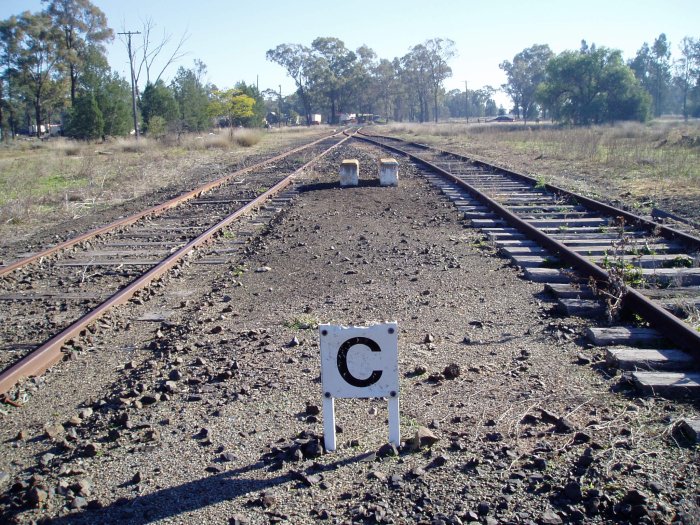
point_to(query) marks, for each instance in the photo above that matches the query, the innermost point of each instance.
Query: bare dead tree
(150, 50)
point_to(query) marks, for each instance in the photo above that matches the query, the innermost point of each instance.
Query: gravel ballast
(211, 413)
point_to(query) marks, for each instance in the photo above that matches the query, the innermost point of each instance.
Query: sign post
(359, 362)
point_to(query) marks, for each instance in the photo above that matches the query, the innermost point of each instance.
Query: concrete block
(350, 172)
(388, 172)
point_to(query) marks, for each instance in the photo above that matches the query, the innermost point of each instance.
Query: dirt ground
(210, 414)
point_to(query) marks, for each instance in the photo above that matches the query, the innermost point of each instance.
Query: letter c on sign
(343, 362)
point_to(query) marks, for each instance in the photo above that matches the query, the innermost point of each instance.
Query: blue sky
(231, 37)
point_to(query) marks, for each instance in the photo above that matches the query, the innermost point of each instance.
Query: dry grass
(46, 183)
(655, 164)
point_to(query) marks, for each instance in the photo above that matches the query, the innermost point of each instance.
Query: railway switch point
(388, 172)
(349, 172)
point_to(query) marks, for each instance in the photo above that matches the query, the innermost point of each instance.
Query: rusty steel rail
(155, 210)
(672, 327)
(630, 218)
(49, 353)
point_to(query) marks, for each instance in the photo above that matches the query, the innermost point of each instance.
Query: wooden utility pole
(279, 108)
(133, 82)
(466, 101)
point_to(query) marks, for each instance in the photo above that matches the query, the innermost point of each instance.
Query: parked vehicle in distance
(503, 118)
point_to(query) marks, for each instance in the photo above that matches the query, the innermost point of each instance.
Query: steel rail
(152, 211)
(49, 353)
(630, 217)
(672, 327)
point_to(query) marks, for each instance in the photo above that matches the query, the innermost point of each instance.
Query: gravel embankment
(210, 415)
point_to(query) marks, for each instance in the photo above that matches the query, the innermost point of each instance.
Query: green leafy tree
(83, 30)
(525, 74)
(231, 106)
(192, 98)
(85, 121)
(10, 38)
(331, 70)
(158, 101)
(439, 52)
(38, 60)
(652, 66)
(112, 93)
(688, 71)
(592, 86)
(257, 119)
(298, 61)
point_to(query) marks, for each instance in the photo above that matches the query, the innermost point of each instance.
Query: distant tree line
(595, 85)
(332, 79)
(53, 70)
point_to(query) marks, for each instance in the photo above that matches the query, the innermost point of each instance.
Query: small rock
(79, 503)
(238, 519)
(483, 508)
(84, 487)
(419, 370)
(175, 374)
(53, 431)
(22, 435)
(388, 449)
(46, 459)
(38, 497)
(550, 518)
(85, 413)
(635, 497)
(429, 338)
(452, 371)
(228, 456)
(293, 342)
(268, 500)
(424, 438)
(582, 359)
(263, 269)
(572, 490)
(92, 449)
(313, 410)
(439, 461)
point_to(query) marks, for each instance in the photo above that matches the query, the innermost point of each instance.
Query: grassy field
(647, 165)
(45, 183)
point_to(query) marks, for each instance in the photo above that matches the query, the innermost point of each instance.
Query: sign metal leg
(394, 421)
(329, 423)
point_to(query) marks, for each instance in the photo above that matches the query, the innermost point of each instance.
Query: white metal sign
(359, 362)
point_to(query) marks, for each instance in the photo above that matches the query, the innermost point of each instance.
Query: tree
(85, 121)
(414, 77)
(592, 86)
(438, 52)
(331, 71)
(112, 94)
(688, 70)
(231, 106)
(83, 28)
(158, 101)
(10, 37)
(192, 98)
(652, 67)
(257, 119)
(38, 59)
(150, 50)
(298, 62)
(525, 74)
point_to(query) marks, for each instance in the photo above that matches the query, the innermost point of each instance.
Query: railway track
(49, 299)
(594, 258)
